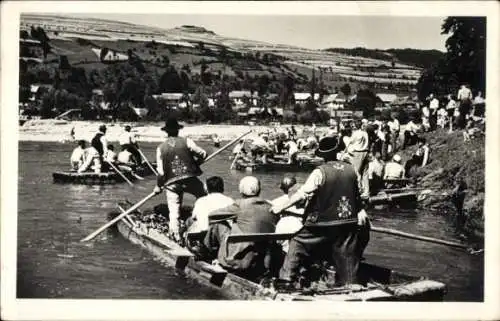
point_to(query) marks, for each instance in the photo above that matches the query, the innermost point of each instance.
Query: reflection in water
(54, 217)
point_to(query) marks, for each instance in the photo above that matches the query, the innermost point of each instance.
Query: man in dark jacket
(250, 215)
(178, 161)
(335, 222)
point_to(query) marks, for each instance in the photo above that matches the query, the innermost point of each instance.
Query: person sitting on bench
(198, 223)
(420, 158)
(250, 215)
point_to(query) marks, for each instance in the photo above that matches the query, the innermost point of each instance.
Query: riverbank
(50, 130)
(453, 158)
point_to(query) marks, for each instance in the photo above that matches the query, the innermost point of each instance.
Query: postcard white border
(52, 309)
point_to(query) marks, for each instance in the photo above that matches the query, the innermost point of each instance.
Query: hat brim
(165, 128)
(326, 152)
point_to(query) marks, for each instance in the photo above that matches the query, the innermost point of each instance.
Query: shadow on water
(52, 218)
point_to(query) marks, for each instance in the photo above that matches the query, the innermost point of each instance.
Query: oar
(234, 161)
(417, 237)
(147, 162)
(120, 173)
(119, 217)
(144, 200)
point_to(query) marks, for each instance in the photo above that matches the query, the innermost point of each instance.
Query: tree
(366, 101)
(346, 90)
(464, 60)
(170, 81)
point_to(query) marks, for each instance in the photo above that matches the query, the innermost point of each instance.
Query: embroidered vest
(97, 144)
(178, 163)
(337, 201)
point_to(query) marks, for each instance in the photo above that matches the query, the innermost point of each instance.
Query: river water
(52, 218)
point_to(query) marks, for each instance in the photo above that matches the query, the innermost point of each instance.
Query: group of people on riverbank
(325, 216)
(100, 156)
(456, 112)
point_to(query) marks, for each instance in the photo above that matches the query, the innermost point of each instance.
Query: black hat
(128, 127)
(171, 123)
(102, 128)
(328, 146)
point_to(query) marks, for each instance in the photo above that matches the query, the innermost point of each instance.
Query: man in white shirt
(205, 205)
(433, 107)
(128, 140)
(442, 117)
(426, 118)
(110, 156)
(358, 150)
(375, 173)
(394, 128)
(293, 150)
(394, 169)
(78, 155)
(410, 134)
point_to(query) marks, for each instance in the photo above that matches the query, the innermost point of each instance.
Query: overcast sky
(316, 32)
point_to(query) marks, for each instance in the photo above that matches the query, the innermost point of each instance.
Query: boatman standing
(128, 141)
(96, 152)
(178, 160)
(336, 225)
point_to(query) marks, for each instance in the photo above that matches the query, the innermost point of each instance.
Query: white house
(110, 56)
(387, 99)
(238, 97)
(301, 98)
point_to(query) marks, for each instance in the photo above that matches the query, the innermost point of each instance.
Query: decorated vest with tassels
(337, 201)
(178, 162)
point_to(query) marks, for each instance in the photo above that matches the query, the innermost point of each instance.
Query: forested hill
(417, 57)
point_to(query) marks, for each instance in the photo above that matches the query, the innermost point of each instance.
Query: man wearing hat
(128, 142)
(249, 214)
(335, 224)
(95, 153)
(394, 169)
(178, 161)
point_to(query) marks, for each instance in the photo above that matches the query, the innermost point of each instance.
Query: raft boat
(377, 283)
(302, 165)
(104, 178)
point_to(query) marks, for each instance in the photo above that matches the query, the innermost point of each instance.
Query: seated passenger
(110, 156)
(251, 215)
(394, 169)
(125, 157)
(291, 219)
(78, 155)
(92, 157)
(205, 205)
(420, 158)
(239, 148)
(375, 173)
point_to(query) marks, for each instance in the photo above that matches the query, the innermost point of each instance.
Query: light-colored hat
(249, 186)
(396, 158)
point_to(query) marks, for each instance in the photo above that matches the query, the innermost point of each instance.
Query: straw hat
(396, 158)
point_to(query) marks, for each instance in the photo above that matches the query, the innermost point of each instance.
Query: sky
(314, 32)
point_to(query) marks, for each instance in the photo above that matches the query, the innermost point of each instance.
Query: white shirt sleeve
(159, 162)
(195, 149)
(104, 143)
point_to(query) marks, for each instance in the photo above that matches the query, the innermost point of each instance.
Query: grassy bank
(452, 158)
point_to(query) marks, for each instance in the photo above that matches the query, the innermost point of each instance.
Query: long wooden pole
(147, 162)
(120, 173)
(119, 217)
(144, 200)
(417, 237)
(226, 146)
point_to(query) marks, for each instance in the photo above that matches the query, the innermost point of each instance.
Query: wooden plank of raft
(256, 237)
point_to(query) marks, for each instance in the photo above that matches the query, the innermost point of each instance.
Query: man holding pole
(128, 141)
(336, 226)
(178, 160)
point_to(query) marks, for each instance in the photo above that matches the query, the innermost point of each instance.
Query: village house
(110, 55)
(240, 97)
(176, 100)
(334, 101)
(387, 99)
(301, 98)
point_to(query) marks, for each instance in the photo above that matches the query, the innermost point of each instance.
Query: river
(52, 218)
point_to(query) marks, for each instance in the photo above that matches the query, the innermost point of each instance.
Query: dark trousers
(135, 152)
(213, 239)
(341, 245)
(409, 139)
(414, 161)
